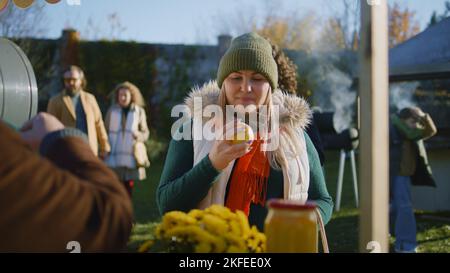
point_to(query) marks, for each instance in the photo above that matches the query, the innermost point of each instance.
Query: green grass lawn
(433, 229)
(146, 213)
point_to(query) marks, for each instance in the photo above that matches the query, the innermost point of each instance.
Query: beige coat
(61, 107)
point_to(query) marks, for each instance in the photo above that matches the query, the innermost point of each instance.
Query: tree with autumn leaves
(310, 32)
(339, 31)
(402, 24)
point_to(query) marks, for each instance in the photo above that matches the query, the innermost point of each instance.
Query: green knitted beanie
(249, 52)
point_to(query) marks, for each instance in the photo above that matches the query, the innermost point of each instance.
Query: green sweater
(182, 186)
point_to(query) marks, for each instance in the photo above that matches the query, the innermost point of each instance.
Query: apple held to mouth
(244, 133)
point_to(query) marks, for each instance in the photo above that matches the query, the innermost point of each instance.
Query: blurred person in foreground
(63, 194)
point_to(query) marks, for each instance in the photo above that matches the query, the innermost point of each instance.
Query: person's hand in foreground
(34, 130)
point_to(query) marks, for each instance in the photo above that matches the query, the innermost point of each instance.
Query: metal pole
(355, 178)
(340, 180)
(374, 161)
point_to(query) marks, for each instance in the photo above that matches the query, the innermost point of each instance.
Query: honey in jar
(291, 227)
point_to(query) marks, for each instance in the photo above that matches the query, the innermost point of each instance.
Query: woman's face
(124, 97)
(246, 87)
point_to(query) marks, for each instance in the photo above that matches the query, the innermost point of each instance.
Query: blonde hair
(288, 139)
(136, 96)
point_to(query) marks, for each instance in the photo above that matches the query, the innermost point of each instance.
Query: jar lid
(290, 204)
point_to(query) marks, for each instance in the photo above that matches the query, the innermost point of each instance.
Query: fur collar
(294, 110)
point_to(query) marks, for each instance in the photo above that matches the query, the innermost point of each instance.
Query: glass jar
(291, 227)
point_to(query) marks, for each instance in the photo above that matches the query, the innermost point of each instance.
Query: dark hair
(406, 113)
(80, 71)
(287, 70)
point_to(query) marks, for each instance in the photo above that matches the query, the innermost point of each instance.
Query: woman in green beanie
(240, 175)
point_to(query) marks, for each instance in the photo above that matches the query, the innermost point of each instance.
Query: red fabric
(129, 185)
(249, 180)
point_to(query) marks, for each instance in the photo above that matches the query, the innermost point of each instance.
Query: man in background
(77, 108)
(408, 165)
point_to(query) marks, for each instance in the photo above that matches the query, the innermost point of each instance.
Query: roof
(425, 56)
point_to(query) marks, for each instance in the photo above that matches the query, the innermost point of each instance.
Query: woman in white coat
(127, 128)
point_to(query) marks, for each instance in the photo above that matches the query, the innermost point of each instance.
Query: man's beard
(72, 92)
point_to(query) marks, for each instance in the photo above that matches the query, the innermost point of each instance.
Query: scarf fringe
(249, 181)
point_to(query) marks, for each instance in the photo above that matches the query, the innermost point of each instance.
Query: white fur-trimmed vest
(294, 113)
(121, 139)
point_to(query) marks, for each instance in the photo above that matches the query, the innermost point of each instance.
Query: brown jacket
(68, 196)
(61, 107)
(411, 148)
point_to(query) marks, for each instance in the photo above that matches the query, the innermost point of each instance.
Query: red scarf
(249, 180)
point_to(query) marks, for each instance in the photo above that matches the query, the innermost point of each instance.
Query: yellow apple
(243, 134)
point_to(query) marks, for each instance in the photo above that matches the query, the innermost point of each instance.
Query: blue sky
(184, 21)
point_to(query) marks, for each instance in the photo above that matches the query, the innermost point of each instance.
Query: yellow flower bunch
(215, 229)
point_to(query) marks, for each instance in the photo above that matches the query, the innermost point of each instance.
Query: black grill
(348, 139)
